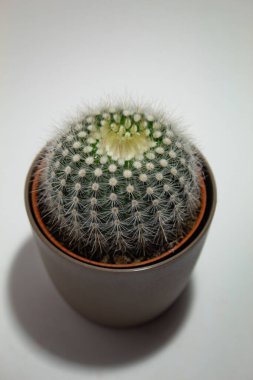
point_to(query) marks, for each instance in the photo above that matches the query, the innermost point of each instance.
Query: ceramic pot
(122, 297)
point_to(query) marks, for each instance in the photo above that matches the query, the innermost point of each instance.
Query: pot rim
(145, 265)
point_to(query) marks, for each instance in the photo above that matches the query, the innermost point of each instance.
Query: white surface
(194, 57)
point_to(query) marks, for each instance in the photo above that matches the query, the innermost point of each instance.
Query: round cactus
(120, 185)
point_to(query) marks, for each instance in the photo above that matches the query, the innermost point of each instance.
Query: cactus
(120, 185)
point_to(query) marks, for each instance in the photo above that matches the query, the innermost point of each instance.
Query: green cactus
(120, 184)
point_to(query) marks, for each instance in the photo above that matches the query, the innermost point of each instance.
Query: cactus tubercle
(120, 184)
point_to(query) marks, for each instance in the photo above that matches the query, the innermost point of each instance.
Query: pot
(128, 295)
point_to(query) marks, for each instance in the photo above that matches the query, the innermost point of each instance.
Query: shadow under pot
(121, 295)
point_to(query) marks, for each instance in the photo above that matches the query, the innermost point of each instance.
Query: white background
(195, 58)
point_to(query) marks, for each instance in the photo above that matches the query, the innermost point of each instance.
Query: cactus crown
(119, 184)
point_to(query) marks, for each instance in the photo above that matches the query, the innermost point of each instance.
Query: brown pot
(120, 294)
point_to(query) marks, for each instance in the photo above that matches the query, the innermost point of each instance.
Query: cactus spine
(120, 184)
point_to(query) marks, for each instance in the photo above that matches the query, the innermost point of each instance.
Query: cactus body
(120, 183)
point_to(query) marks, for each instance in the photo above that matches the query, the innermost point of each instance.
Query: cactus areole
(119, 186)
